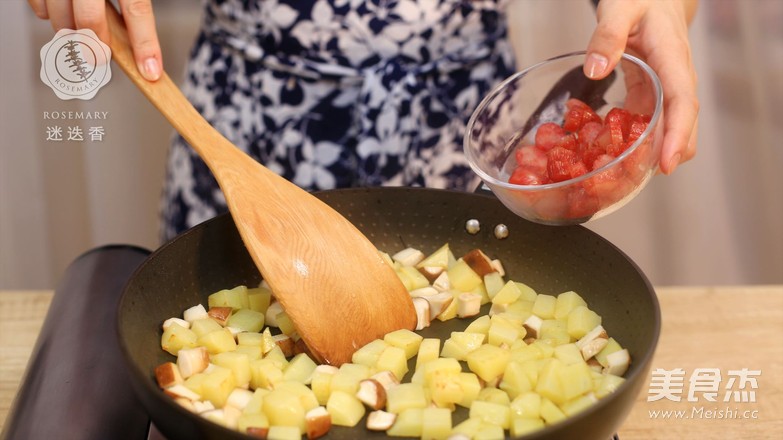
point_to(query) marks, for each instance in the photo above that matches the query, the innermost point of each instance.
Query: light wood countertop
(724, 328)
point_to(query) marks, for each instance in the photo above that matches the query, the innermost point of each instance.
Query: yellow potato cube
(321, 384)
(488, 361)
(440, 366)
(581, 320)
(522, 426)
(235, 298)
(491, 413)
(407, 424)
(479, 325)
(277, 356)
(550, 412)
(439, 258)
(611, 346)
(515, 380)
(468, 427)
(521, 309)
(523, 352)
(299, 369)
(250, 339)
(569, 354)
(489, 432)
(566, 302)
(253, 352)
(264, 373)
(285, 324)
(284, 408)
(549, 384)
(554, 332)
(256, 403)
(348, 377)
(218, 385)
(576, 380)
(508, 294)
(578, 404)
(544, 306)
(436, 423)
(345, 409)
(460, 344)
(471, 388)
(218, 341)
(462, 277)
(493, 283)
(284, 433)
(303, 392)
(527, 293)
(393, 359)
(259, 299)
(450, 312)
(411, 278)
(526, 405)
(503, 332)
(195, 383)
(177, 337)
(205, 325)
(405, 396)
(444, 390)
(238, 363)
(406, 340)
(494, 395)
(607, 385)
(267, 341)
(246, 320)
(258, 420)
(368, 355)
(544, 349)
(428, 350)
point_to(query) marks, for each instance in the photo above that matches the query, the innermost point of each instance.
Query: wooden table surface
(721, 328)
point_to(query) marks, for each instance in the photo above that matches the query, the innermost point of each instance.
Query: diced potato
(284, 433)
(488, 361)
(523, 352)
(411, 278)
(246, 320)
(468, 427)
(548, 384)
(526, 405)
(544, 306)
(252, 421)
(218, 385)
(393, 359)
(569, 354)
(407, 424)
(521, 309)
(439, 258)
(436, 424)
(508, 294)
(611, 347)
(285, 324)
(250, 339)
(321, 383)
(406, 340)
(566, 302)
(503, 332)
(348, 377)
(265, 373)
(196, 382)
(345, 409)
(428, 350)
(205, 325)
(527, 292)
(368, 355)
(550, 412)
(554, 332)
(405, 396)
(259, 299)
(578, 404)
(494, 395)
(521, 426)
(515, 380)
(218, 341)
(267, 341)
(235, 298)
(607, 384)
(471, 388)
(479, 325)
(491, 413)
(576, 380)
(252, 352)
(284, 408)
(493, 282)
(581, 320)
(177, 337)
(445, 390)
(300, 369)
(238, 363)
(256, 403)
(462, 277)
(489, 432)
(305, 395)
(460, 344)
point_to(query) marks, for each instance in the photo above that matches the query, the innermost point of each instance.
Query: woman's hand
(656, 31)
(91, 14)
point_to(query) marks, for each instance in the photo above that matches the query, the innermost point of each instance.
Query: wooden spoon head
(330, 279)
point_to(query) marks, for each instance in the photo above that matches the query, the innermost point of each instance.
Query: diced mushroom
(220, 314)
(423, 292)
(167, 375)
(498, 266)
(192, 360)
(203, 405)
(318, 421)
(595, 365)
(167, 323)
(285, 343)
(195, 313)
(479, 262)
(597, 332)
(409, 257)
(617, 363)
(439, 303)
(468, 304)
(532, 326)
(239, 398)
(442, 283)
(257, 432)
(422, 307)
(497, 308)
(186, 403)
(231, 416)
(183, 392)
(386, 378)
(328, 369)
(380, 420)
(270, 317)
(431, 273)
(593, 347)
(372, 394)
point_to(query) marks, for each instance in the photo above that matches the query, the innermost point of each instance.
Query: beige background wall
(718, 220)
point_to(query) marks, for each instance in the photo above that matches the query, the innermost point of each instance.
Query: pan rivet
(472, 226)
(501, 231)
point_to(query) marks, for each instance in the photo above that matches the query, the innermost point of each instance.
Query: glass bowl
(548, 185)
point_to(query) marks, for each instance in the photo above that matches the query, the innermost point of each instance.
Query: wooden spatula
(328, 277)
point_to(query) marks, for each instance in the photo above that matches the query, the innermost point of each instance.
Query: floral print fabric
(338, 93)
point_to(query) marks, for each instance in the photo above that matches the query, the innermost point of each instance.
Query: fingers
(39, 7)
(60, 14)
(616, 21)
(143, 37)
(91, 14)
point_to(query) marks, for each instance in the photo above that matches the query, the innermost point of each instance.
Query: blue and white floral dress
(338, 93)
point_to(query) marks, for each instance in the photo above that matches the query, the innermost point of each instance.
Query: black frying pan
(211, 257)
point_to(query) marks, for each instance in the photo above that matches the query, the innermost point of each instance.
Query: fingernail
(596, 65)
(674, 162)
(151, 69)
